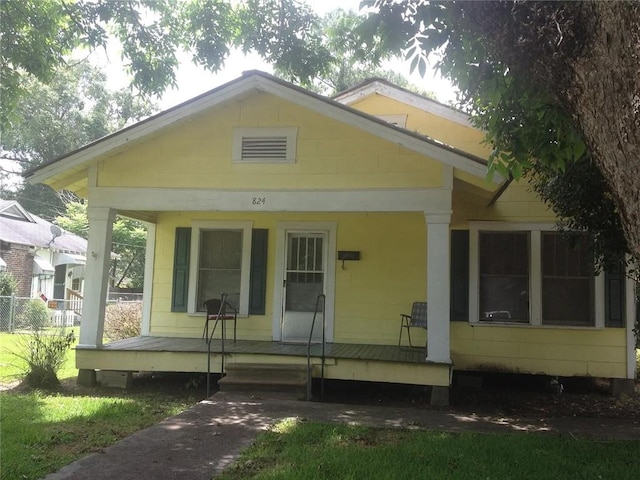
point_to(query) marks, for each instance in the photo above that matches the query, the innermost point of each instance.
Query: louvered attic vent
(255, 148)
(268, 145)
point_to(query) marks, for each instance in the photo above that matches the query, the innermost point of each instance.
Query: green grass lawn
(296, 450)
(11, 366)
(41, 432)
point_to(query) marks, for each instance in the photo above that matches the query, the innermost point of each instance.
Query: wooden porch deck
(350, 351)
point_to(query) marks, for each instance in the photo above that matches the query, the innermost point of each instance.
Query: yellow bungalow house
(376, 199)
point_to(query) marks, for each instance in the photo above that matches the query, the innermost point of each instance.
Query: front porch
(343, 361)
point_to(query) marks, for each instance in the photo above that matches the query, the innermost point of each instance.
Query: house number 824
(259, 201)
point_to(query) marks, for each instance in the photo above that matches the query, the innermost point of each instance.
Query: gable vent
(265, 145)
(255, 148)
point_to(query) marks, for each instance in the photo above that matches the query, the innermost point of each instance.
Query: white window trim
(291, 133)
(199, 225)
(535, 276)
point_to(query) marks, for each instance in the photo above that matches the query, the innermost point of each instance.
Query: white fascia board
(144, 128)
(412, 99)
(381, 129)
(434, 201)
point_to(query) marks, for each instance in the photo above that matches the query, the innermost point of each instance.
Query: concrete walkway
(200, 442)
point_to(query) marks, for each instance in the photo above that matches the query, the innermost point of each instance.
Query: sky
(193, 80)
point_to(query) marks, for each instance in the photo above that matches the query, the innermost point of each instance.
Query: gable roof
(72, 165)
(12, 209)
(34, 231)
(388, 89)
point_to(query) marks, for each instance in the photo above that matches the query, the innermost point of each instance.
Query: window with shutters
(220, 263)
(265, 145)
(530, 274)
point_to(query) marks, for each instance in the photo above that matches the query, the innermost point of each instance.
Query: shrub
(8, 284)
(122, 320)
(44, 354)
(34, 315)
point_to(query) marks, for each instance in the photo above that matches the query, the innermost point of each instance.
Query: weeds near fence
(122, 320)
(43, 353)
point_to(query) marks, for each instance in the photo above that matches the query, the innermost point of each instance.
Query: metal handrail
(322, 297)
(221, 313)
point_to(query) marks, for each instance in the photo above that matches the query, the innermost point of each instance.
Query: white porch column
(438, 343)
(96, 275)
(149, 259)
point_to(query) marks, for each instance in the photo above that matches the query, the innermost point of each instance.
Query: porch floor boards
(352, 351)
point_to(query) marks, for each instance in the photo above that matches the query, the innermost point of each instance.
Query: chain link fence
(23, 313)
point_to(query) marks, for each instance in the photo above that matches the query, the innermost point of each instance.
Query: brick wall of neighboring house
(20, 263)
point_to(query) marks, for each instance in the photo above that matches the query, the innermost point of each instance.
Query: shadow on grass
(43, 431)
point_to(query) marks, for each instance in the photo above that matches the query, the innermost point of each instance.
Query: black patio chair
(219, 310)
(417, 319)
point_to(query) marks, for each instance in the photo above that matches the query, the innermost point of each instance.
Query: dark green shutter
(459, 275)
(258, 277)
(614, 296)
(181, 269)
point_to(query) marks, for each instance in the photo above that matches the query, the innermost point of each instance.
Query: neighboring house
(377, 198)
(44, 259)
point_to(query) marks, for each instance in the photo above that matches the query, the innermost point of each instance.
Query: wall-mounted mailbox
(348, 255)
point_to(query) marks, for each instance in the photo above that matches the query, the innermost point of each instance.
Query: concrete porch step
(265, 377)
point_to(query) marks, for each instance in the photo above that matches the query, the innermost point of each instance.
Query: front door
(304, 279)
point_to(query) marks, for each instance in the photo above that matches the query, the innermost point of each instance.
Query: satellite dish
(56, 231)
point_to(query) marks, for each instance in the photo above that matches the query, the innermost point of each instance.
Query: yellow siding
(452, 133)
(517, 203)
(370, 294)
(330, 155)
(537, 350)
(368, 305)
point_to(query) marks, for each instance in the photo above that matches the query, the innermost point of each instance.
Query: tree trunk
(605, 98)
(587, 55)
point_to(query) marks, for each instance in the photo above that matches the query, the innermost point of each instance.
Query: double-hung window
(504, 276)
(220, 263)
(530, 274)
(567, 280)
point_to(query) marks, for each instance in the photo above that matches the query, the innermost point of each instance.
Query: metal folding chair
(219, 310)
(417, 319)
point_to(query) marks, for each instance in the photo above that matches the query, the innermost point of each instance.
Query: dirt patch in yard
(507, 395)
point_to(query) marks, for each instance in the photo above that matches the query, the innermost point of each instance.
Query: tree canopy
(39, 35)
(550, 82)
(74, 108)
